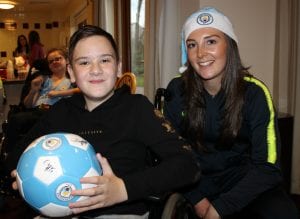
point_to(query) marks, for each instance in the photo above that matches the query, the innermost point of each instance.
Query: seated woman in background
(39, 94)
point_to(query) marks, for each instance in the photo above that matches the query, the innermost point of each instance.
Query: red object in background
(3, 73)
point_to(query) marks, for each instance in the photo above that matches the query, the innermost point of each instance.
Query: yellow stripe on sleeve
(271, 134)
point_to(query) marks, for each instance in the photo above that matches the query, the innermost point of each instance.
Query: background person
(21, 54)
(227, 115)
(22, 48)
(38, 95)
(36, 48)
(48, 89)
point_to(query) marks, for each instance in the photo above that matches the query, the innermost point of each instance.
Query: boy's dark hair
(88, 31)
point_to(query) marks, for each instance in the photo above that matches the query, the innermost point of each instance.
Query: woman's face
(95, 69)
(57, 62)
(206, 50)
(22, 41)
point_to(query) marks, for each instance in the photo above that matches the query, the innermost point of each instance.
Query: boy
(121, 127)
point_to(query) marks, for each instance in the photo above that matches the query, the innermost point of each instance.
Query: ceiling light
(7, 4)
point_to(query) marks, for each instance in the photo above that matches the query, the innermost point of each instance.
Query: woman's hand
(109, 190)
(201, 207)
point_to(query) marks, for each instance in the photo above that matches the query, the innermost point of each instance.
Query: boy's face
(95, 69)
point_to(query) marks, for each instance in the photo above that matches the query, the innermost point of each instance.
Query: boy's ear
(71, 73)
(119, 74)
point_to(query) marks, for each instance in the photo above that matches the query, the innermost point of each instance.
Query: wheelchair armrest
(158, 198)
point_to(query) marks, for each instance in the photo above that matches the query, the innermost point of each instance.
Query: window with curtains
(137, 26)
(128, 27)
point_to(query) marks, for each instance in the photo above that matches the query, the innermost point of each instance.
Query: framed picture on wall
(11, 25)
(37, 25)
(55, 24)
(3, 54)
(25, 26)
(48, 26)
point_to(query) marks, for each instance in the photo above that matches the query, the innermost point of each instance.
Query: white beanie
(205, 17)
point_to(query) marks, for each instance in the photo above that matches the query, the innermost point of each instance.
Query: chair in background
(128, 79)
(171, 206)
(161, 96)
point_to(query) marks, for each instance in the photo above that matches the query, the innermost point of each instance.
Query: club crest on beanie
(205, 17)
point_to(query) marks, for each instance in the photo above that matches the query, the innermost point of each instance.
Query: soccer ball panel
(55, 210)
(47, 169)
(51, 167)
(34, 143)
(33, 190)
(77, 141)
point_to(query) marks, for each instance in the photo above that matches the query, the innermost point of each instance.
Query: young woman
(21, 54)
(22, 47)
(121, 127)
(228, 117)
(36, 48)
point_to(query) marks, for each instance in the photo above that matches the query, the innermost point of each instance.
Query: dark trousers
(272, 204)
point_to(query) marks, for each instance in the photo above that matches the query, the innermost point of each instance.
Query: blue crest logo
(63, 191)
(52, 143)
(205, 19)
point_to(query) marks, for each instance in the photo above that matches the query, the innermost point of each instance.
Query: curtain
(104, 15)
(162, 50)
(295, 81)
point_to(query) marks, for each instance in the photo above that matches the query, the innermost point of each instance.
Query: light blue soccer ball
(50, 168)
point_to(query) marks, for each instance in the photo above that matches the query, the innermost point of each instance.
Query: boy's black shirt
(122, 129)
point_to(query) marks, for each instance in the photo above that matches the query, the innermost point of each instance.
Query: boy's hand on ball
(14, 175)
(108, 191)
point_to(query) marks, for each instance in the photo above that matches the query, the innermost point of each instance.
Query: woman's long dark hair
(19, 48)
(233, 86)
(34, 37)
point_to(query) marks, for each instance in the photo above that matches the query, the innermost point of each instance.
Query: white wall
(255, 29)
(68, 19)
(254, 23)
(49, 37)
